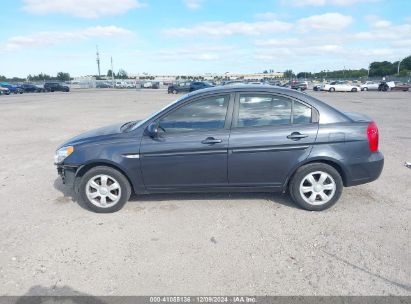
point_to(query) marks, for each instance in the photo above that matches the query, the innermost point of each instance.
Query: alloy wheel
(317, 188)
(103, 191)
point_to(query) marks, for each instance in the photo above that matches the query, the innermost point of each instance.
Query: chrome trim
(131, 155)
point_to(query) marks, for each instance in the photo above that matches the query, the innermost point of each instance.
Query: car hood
(94, 135)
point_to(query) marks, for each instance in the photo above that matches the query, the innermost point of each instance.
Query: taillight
(372, 133)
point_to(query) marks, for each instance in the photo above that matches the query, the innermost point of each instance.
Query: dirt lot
(191, 244)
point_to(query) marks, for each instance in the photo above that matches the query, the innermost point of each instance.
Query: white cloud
(193, 4)
(385, 33)
(328, 21)
(266, 16)
(376, 22)
(196, 53)
(326, 2)
(81, 8)
(277, 42)
(220, 29)
(43, 39)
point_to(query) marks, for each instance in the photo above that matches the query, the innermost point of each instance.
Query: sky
(181, 37)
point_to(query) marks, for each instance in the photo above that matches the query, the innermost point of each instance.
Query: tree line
(60, 76)
(376, 69)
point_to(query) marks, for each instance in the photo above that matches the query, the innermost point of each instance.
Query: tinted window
(208, 113)
(301, 113)
(263, 110)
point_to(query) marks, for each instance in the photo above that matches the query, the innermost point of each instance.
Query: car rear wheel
(316, 186)
(332, 90)
(175, 92)
(104, 189)
(354, 90)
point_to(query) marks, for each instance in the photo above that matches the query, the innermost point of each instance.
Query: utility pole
(98, 61)
(398, 68)
(112, 71)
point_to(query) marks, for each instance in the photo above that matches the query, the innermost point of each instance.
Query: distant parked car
(386, 86)
(317, 87)
(275, 83)
(120, 85)
(56, 86)
(151, 85)
(103, 85)
(12, 88)
(182, 87)
(4, 91)
(198, 85)
(400, 86)
(339, 86)
(299, 86)
(31, 88)
(369, 85)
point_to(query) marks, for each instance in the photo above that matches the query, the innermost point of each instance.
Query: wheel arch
(324, 160)
(86, 167)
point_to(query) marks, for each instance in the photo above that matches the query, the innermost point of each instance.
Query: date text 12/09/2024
(203, 299)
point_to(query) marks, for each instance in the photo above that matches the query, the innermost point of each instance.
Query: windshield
(140, 123)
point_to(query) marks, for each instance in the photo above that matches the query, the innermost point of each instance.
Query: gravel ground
(192, 244)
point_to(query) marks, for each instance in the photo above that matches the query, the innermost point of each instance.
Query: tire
(299, 183)
(121, 193)
(365, 89)
(331, 90)
(175, 92)
(354, 90)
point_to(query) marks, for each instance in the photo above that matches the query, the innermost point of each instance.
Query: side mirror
(152, 129)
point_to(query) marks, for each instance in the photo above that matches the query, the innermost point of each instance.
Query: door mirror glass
(152, 129)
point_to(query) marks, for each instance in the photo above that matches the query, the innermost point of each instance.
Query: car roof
(331, 114)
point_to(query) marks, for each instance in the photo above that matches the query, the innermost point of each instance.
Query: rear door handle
(296, 136)
(211, 141)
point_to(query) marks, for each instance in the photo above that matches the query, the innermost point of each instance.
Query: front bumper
(67, 174)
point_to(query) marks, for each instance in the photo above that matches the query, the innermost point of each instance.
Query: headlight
(62, 153)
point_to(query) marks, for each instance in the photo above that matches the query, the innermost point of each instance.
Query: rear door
(270, 134)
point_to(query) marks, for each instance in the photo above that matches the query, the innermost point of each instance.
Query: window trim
(236, 110)
(228, 115)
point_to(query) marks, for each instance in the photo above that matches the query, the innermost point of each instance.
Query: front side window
(263, 110)
(207, 113)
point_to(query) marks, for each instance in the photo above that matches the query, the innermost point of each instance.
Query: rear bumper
(364, 171)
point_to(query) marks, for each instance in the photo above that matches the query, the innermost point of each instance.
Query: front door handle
(296, 136)
(211, 141)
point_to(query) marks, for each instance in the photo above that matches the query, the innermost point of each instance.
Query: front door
(270, 135)
(191, 148)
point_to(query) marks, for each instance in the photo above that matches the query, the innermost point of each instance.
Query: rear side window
(301, 113)
(263, 110)
(271, 110)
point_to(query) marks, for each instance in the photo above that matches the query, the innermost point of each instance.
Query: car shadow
(38, 294)
(69, 195)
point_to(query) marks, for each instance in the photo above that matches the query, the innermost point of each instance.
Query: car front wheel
(316, 186)
(332, 90)
(104, 189)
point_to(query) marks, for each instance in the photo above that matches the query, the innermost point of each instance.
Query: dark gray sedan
(229, 138)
